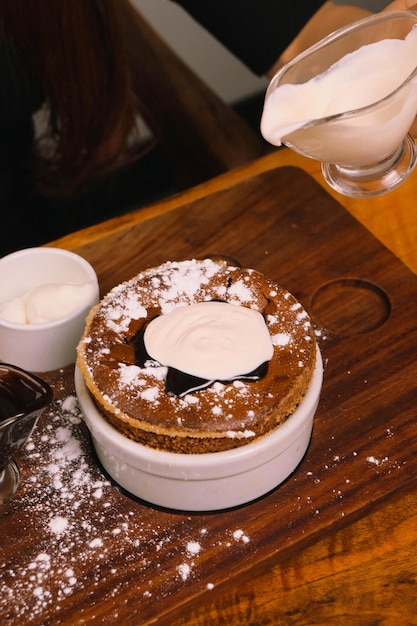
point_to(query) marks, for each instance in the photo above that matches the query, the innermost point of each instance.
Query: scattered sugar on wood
(61, 484)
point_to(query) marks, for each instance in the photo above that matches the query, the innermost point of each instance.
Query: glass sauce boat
(365, 150)
(23, 397)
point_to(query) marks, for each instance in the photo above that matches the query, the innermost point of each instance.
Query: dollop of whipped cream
(45, 303)
(211, 340)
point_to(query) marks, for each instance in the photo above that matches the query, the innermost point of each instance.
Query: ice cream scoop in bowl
(349, 102)
(23, 397)
(45, 295)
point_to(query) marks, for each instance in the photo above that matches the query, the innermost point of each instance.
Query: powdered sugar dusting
(281, 339)
(83, 526)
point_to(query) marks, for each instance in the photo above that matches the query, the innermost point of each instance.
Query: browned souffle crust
(222, 416)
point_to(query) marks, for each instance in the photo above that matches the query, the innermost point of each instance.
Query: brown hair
(76, 52)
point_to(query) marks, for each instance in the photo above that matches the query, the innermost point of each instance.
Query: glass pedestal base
(373, 180)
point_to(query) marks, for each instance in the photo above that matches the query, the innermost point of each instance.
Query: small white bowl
(203, 482)
(45, 346)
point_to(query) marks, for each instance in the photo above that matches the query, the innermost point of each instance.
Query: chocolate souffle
(174, 360)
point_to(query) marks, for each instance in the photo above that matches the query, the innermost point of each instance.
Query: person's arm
(401, 4)
(265, 34)
(327, 19)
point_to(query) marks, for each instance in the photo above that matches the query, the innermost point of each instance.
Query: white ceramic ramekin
(203, 482)
(49, 345)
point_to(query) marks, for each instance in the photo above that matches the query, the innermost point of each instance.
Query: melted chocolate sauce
(179, 383)
(22, 399)
(20, 394)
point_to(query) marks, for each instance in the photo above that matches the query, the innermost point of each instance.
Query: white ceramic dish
(203, 482)
(48, 345)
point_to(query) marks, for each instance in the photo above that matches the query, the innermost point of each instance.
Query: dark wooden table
(329, 545)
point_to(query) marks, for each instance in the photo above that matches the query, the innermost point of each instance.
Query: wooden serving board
(75, 549)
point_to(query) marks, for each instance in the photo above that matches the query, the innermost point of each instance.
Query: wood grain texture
(391, 218)
(364, 574)
(360, 462)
